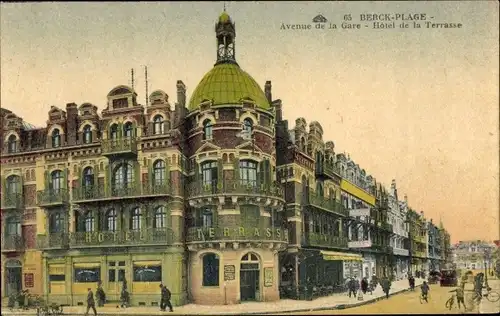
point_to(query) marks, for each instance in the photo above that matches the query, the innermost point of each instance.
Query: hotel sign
(238, 233)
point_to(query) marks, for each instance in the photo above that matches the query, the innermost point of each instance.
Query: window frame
(158, 125)
(56, 138)
(12, 144)
(207, 129)
(248, 169)
(87, 134)
(210, 278)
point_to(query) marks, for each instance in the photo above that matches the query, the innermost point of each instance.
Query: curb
(297, 310)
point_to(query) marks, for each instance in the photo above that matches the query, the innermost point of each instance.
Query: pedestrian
(100, 295)
(351, 285)
(460, 295)
(124, 296)
(90, 302)
(364, 285)
(386, 286)
(411, 280)
(165, 298)
(425, 291)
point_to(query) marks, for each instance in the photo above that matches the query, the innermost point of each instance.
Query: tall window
(13, 226)
(207, 129)
(111, 220)
(160, 217)
(158, 172)
(136, 219)
(89, 222)
(248, 126)
(248, 172)
(88, 177)
(12, 144)
(158, 125)
(319, 189)
(87, 134)
(113, 132)
(209, 173)
(13, 185)
(123, 177)
(128, 130)
(56, 182)
(56, 223)
(56, 138)
(210, 269)
(205, 217)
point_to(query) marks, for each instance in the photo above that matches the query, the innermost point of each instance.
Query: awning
(340, 256)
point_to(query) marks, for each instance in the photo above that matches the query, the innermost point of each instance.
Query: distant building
(473, 255)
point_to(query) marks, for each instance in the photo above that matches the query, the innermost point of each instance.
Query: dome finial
(224, 6)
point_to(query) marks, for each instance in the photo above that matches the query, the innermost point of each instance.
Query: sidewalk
(336, 301)
(487, 307)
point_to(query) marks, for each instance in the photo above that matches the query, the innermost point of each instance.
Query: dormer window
(207, 129)
(248, 126)
(158, 125)
(87, 134)
(12, 144)
(128, 130)
(56, 139)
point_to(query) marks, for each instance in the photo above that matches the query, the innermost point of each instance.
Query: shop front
(369, 265)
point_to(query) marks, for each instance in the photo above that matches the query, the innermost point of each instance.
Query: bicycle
(491, 296)
(424, 298)
(449, 303)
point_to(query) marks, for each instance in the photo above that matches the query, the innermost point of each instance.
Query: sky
(417, 105)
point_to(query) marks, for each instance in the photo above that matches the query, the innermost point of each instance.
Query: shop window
(87, 275)
(146, 273)
(210, 269)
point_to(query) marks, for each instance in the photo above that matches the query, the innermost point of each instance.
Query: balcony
(387, 227)
(401, 252)
(133, 190)
(12, 201)
(365, 212)
(360, 244)
(119, 147)
(150, 236)
(236, 234)
(51, 197)
(12, 243)
(53, 241)
(321, 240)
(233, 187)
(326, 170)
(326, 204)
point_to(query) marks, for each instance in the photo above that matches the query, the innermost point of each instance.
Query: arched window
(207, 129)
(56, 223)
(159, 172)
(128, 130)
(13, 185)
(56, 138)
(111, 220)
(122, 178)
(87, 134)
(12, 144)
(211, 269)
(247, 126)
(248, 172)
(204, 217)
(136, 219)
(113, 132)
(88, 177)
(56, 181)
(158, 125)
(160, 217)
(89, 222)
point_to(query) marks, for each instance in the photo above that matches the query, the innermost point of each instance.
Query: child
(425, 291)
(460, 295)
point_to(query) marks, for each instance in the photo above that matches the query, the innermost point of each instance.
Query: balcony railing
(100, 192)
(360, 244)
(52, 197)
(387, 227)
(150, 236)
(326, 204)
(53, 241)
(326, 170)
(200, 188)
(12, 243)
(401, 252)
(12, 201)
(127, 145)
(322, 240)
(246, 233)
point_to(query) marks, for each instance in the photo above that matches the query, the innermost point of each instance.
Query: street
(404, 303)
(488, 307)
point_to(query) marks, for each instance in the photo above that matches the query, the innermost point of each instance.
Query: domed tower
(234, 217)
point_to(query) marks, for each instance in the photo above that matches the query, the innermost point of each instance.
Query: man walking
(90, 303)
(460, 295)
(386, 286)
(165, 298)
(351, 285)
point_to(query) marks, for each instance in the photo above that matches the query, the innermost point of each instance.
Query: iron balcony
(126, 146)
(131, 190)
(324, 241)
(236, 187)
(12, 201)
(330, 205)
(12, 243)
(52, 197)
(53, 241)
(149, 236)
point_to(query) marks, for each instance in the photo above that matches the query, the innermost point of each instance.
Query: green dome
(224, 17)
(227, 84)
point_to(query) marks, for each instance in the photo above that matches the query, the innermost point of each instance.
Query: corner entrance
(13, 280)
(249, 278)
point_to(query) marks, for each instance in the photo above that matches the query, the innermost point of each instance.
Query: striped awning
(340, 256)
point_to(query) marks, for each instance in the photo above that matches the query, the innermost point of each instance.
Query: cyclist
(425, 291)
(460, 295)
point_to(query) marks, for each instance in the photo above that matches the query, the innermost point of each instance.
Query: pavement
(487, 307)
(335, 301)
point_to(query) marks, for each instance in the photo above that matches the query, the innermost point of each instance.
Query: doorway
(249, 278)
(13, 280)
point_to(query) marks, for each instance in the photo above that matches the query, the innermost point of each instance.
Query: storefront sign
(268, 277)
(29, 280)
(229, 273)
(238, 233)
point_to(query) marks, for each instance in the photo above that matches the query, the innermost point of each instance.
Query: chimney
(279, 113)
(267, 90)
(181, 93)
(71, 123)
